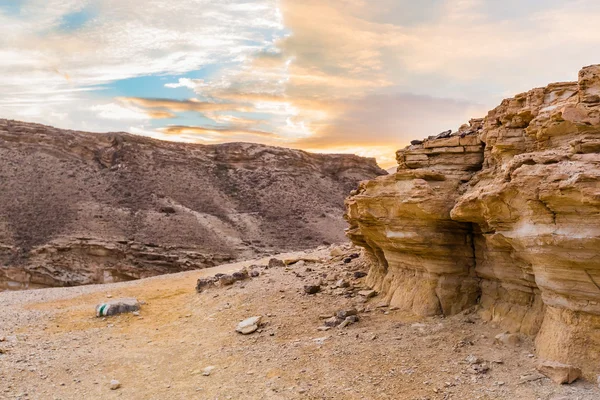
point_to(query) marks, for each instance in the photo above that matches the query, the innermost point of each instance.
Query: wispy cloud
(339, 75)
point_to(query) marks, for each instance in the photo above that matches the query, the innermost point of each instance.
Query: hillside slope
(81, 208)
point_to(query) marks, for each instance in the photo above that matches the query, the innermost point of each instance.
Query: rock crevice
(504, 213)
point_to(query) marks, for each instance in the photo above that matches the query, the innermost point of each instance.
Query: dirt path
(55, 348)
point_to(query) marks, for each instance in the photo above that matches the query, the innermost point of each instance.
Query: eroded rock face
(79, 208)
(504, 213)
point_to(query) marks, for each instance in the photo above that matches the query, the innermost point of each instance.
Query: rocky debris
(531, 377)
(312, 289)
(471, 359)
(333, 321)
(558, 372)
(222, 280)
(241, 275)
(507, 339)
(337, 252)
(342, 283)
(71, 210)
(115, 307)
(368, 293)
(351, 257)
(249, 325)
(208, 370)
(276, 263)
(342, 314)
(341, 319)
(204, 283)
(503, 213)
(348, 321)
(359, 274)
(226, 280)
(115, 384)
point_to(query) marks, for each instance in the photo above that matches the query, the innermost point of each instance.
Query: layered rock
(78, 208)
(504, 213)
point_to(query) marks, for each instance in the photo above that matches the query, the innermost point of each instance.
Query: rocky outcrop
(504, 213)
(79, 208)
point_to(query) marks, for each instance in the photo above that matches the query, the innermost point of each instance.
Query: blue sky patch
(10, 7)
(75, 20)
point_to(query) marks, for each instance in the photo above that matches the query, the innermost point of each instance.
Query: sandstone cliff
(79, 208)
(504, 213)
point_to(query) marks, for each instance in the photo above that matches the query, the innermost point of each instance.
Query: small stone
(208, 370)
(249, 325)
(511, 339)
(367, 293)
(2, 339)
(336, 252)
(558, 372)
(347, 260)
(226, 280)
(323, 328)
(115, 384)
(342, 283)
(241, 274)
(312, 289)
(254, 273)
(136, 313)
(471, 359)
(530, 377)
(204, 283)
(276, 263)
(359, 274)
(342, 314)
(333, 321)
(348, 321)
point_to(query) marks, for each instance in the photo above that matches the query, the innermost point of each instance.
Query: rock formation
(79, 208)
(504, 213)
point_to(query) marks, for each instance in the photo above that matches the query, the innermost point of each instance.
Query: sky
(335, 76)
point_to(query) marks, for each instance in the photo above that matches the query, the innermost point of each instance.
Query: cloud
(118, 112)
(182, 105)
(337, 75)
(215, 133)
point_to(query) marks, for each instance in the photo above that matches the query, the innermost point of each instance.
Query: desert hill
(82, 208)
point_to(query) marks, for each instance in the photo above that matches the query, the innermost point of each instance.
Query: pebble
(511, 339)
(249, 325)
(208, 370)
(312, 289)
(115, 384)
(367, 293)
(346, 313)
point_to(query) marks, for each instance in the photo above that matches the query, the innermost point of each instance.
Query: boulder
(558, 372)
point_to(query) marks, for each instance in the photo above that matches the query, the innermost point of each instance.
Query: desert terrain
(54, 346)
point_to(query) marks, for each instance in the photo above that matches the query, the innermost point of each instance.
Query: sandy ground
(55, 348)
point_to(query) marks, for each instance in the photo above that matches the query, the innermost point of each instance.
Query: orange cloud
(219, 132)
(182, 105)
